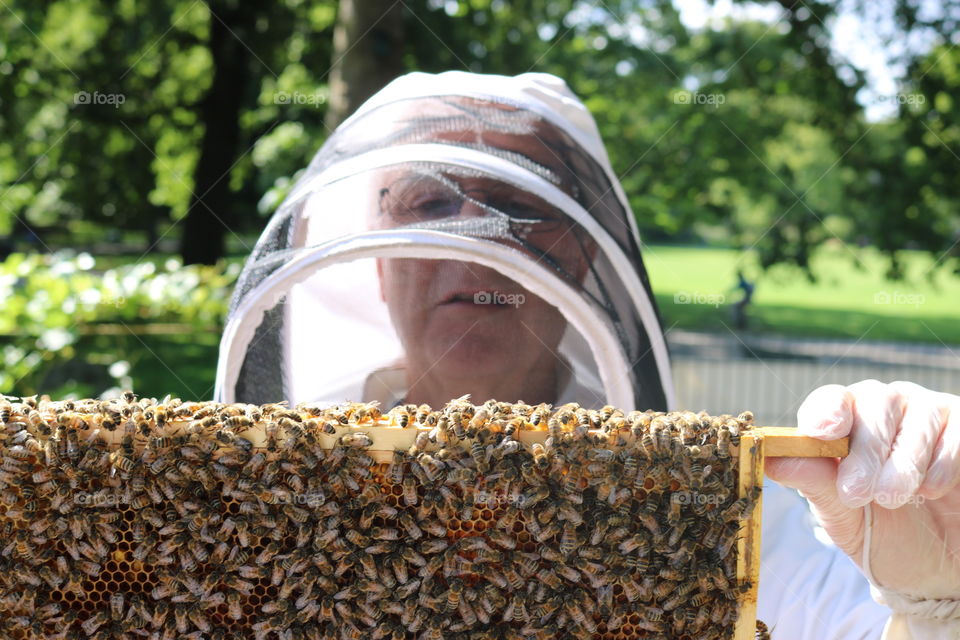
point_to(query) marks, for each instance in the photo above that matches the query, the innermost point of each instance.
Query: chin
(471, 354)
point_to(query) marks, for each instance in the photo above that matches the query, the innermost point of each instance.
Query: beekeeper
(465, 233)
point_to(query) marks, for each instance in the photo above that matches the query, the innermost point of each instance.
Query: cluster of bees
(133, 518)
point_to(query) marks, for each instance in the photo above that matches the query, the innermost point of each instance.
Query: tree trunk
(367, 53)
(211, 211)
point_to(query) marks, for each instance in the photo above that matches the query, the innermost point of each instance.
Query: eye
(520, 208)
(424, 200)
(434, 207)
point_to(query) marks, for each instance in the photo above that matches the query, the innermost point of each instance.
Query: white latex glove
(897, 495)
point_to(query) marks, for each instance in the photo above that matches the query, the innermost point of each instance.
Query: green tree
(142, 116)
(200, 114)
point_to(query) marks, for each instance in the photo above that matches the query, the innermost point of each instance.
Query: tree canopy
(188, 120)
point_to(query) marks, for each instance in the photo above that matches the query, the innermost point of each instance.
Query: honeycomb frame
(112, 522)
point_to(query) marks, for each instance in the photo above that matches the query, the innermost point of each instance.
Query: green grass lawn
(846, 301)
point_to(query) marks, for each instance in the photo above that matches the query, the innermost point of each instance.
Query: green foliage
(68, 327)
(101, 106)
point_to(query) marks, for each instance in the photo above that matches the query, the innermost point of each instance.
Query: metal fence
(771, 376)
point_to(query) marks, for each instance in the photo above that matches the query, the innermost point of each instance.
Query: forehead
(520, 135)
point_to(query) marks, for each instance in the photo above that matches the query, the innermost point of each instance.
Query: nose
(473, 206)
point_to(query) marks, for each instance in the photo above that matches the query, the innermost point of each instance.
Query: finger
(816, 480)
(943, 474)
(877, 411)
(904, 471)
(826, 413)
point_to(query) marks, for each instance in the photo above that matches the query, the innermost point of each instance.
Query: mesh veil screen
(489, 171)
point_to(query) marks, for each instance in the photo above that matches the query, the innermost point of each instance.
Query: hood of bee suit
(456, 226)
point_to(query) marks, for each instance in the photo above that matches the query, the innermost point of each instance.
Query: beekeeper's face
(462, 322)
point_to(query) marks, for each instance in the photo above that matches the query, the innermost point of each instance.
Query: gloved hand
(897, 495)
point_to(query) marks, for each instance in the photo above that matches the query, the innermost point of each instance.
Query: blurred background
(792, 166)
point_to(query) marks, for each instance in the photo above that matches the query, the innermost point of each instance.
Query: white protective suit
(315, 318)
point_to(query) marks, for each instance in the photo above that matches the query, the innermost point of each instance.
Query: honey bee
(479, 453)
(723, 442)
(226, 411)
(532, 498)
(410, 496)
(237, 423)
(540, 458)
(606, 413)
(122, 462)
(116, 606)
(356, 440)
(454, 594)
(400, 416)
(385, 533)
(367, 411)
(539, 415)
(228, 437)
(722, 550)
(476, 422)
(94, 622)
(736, 510)
(19, 453)
(580, 618)
(92, 569)
(648, 445)
(422, 414)
(569, 539)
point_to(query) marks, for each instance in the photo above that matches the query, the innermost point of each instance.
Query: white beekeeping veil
(457, 228)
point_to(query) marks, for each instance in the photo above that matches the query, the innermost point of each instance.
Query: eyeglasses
(421, 198)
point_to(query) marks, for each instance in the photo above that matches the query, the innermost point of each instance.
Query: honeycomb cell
(486, 514)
